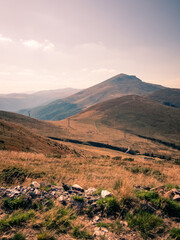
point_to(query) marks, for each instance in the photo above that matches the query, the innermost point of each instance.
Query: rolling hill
(137, 115)
(114, 87)
(14, 102)
(167, 96)
(16, 137)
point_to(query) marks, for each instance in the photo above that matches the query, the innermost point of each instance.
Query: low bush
(145, 222)
(168, 206)
(16, 219)
(175, 233)
(78, 198)
(11, 175)
(16, 203)
(45, 236)
(147, 195)
(61, 220)
(19, 236)
(81, 234)
(109, 205)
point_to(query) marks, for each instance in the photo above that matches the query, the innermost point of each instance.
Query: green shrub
(61, 220)
(78, 198)
(81, 234)
(16, 203)
(170, 186)
(109, 205)
(168, 206)
(18, 236)
(15, 219)
(45, 236)
(104, 224)
(145, 222)
(147, 195)
(11, 175)
(175, 233)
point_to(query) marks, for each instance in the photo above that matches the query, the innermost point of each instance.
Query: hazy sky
(50, 44)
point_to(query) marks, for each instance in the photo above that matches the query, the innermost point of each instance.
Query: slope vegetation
(168, 97)
(117, 86)
(16, 137)
(137, 115)
(37, 126)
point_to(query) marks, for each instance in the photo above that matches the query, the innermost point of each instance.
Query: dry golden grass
(90, 129)
(94, 168)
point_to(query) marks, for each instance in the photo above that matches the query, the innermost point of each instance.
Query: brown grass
(92, 169)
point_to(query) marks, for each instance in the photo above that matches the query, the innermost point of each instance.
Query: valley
(127, 145)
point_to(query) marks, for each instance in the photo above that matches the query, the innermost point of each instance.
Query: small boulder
(90, 191)
(105, 193)
(176, 197)
(77, 188)
(35, 184)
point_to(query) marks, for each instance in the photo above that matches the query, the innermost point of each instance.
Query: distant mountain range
(14, 102)
(114, 87)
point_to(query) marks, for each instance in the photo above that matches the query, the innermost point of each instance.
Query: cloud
(33, 44)
(5, 39)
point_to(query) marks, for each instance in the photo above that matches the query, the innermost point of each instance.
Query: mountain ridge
(116, 86)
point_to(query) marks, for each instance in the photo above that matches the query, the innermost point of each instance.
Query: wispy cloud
(5, 39)
(33, 44)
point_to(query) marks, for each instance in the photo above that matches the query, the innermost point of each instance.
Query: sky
(51, 44)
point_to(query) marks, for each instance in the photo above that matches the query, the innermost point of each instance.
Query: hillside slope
(137, 115)
(16, 137)
(168, 97)
(37, 126)
(114, 87)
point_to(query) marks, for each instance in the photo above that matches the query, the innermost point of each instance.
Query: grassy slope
(37, 126)
(18, 138)
(137, 115)
(114, 87)
(167, 96)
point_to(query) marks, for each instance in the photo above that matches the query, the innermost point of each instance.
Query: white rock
(91, 191)
(105, 193)
(176, 197)
(35, 184)
(37, 192)
(61, 198)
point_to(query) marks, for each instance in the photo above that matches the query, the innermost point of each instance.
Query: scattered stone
(100, 231)
(77, 188)
(35, 184)
(95, 220)
(91, 191)
(176, 197)
(105, 193)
